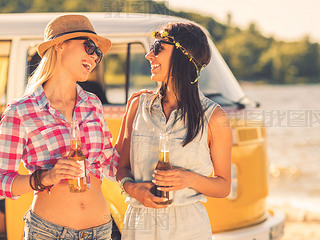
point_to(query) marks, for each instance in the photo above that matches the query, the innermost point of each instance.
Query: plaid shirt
(32, 131)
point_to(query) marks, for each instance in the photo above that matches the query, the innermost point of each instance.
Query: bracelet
(122, 182)
(38, 186)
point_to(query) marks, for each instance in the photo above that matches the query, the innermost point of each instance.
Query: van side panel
(249, 206)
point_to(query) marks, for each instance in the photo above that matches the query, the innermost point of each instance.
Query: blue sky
(285, 19)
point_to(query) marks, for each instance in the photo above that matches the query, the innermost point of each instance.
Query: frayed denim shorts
(40, 229)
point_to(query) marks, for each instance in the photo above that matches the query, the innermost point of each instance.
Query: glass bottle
(76, 154)
(164, 164)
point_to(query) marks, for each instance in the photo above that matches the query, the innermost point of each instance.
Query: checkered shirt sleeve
(12, 144)
(109, 157)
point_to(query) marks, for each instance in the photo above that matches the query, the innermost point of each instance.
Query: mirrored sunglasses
(91, 48)
(156, 46)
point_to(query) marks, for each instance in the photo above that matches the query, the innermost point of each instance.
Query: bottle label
(170, 195)
(83, 169)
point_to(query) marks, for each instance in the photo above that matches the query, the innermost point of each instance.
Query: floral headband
(165, 35)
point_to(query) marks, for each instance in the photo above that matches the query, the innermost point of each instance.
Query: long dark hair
(183, 72)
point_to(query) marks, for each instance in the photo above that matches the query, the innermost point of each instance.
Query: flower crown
(165, 35)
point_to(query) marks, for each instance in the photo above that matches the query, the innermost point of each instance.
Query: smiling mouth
(87, 66)
(154, 66)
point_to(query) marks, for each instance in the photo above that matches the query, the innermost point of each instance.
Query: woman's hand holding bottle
(63, 169)
(176, 178)
(142, 193)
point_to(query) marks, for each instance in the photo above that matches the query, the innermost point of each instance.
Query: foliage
(249, 54)
(252, 56)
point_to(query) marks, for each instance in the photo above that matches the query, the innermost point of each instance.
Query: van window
(126, 71)
(33, 61)
(4, 63)
(115, 73)
(139, 70)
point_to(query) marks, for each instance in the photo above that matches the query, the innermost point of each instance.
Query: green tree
(15, 6)
(242, 51)
(249, 54)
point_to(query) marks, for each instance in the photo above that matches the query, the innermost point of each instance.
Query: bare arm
(119, 143)
(124, 169)
(220, 143)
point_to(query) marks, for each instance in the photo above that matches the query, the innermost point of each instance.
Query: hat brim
(103, 43)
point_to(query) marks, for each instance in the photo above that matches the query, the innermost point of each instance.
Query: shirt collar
(42, 99)
(40, 96)
(156, 104)
(82, 96)
(157, 107)
(157, 101)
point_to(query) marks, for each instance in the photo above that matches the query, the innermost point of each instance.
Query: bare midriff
(73, 210)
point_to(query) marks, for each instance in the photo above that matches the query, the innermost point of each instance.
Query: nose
(150, 55)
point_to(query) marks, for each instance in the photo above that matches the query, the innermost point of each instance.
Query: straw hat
(69, 26)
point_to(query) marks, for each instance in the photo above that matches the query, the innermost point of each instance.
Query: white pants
(186, 222)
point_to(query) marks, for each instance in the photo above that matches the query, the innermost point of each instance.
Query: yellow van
(243, 214)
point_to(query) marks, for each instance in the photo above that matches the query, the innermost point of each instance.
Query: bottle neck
(75, 136)
(164, 157)
(75, 144)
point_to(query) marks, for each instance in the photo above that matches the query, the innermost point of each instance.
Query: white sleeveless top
(195, 156)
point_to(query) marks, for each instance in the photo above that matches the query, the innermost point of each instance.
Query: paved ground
(302, 231)
(300, 224)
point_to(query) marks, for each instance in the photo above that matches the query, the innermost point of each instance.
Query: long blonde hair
(43, 72)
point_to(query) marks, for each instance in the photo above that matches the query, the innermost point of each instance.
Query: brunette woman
(200, 143)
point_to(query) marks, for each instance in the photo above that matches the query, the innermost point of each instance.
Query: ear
(59, 47)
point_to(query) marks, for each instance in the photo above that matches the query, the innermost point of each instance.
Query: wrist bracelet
(122, 182)
(38, 186)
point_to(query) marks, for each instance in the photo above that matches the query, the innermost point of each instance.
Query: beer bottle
(76, 154)
(164, 164)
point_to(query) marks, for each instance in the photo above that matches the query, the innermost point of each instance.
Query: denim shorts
(40, 229)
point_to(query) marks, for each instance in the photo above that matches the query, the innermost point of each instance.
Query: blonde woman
(36, 130)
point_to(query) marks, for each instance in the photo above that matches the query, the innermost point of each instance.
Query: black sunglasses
(156, 46)
(91, 48)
